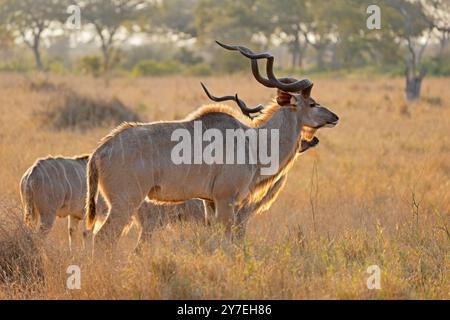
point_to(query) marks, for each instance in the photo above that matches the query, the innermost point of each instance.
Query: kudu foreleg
(225, 215)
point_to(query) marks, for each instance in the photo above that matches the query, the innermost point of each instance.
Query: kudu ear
(285, 98)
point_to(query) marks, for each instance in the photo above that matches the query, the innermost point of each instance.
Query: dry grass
(20, 259)
(378, 185)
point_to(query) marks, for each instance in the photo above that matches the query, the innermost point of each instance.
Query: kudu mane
(203, 111)
(122, 127)
(259, 120)
(76, 157)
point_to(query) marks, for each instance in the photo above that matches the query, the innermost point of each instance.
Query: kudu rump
(134, 160)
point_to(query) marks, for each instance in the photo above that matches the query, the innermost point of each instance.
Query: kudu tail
(30, 215)
(92, 187)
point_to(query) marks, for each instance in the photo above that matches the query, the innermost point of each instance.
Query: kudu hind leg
(119, 217)
(123, 204)
(143, 237)
(74, 233)
(210, 210)
(47, 221)
(144, 240)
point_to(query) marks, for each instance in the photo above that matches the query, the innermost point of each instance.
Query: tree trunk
(301, 52)
(294, 58)
(335, 57)
(320, 57)
(106, 64)
(295, 51)
(443, 41)
(37, 55)
(300, 57)
(413, 83)
(413, 86)
(106, 57)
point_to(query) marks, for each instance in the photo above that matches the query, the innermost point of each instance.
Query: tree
(292, 20)
(242, 21)
(412, 28)
(438, 14)
(28, 19)
(6, 41)
(108, 17)
(176, 16)
(237, 21)
(321, 32)
(354, 44)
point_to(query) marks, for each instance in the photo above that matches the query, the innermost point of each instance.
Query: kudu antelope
(134, 160)
(56, 187)
(151, 216)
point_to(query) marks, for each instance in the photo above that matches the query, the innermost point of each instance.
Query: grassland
(374, 192)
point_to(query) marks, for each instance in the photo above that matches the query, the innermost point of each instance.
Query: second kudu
(134, 160)
(56, 187)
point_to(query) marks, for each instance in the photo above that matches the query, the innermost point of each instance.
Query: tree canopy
(321, 35)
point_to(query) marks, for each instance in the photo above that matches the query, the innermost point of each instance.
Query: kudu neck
(288, 123)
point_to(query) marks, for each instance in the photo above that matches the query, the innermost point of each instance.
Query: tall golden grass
(374, 192)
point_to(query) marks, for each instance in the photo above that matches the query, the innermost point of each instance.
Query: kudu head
(291, 92)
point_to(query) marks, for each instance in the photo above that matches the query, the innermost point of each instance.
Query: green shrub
(155, 68)
(90, 65)
(228, 63)
(438, 66)
(186, 56)
(199, 69)
(15, 66)
(57, 67)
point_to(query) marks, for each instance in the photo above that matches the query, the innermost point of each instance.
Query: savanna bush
(90, 65)
(199, 69)
(155, 68)
(71, 110)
